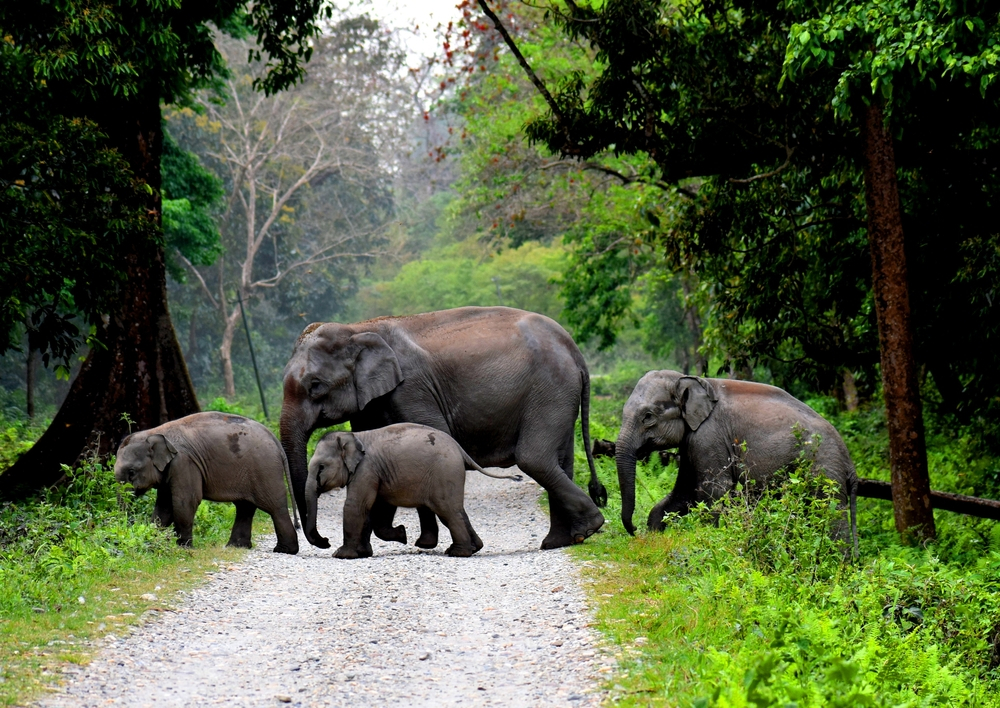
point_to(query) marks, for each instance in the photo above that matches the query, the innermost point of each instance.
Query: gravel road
(507, 627)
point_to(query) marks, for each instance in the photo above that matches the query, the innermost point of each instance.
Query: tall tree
(112, 64)
(697, 88)
(308, 169)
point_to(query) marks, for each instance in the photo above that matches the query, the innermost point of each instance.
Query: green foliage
(886, 49)
(66, 203)
(190, 193)
(755, 602)
(53, 546)
(460, 275)
(757, 186)
(72, 73)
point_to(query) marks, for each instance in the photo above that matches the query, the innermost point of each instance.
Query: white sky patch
(417, 21)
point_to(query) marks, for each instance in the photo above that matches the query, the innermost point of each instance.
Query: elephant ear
(352, 451)
(697, 398)
(162, 450)
(376, 369)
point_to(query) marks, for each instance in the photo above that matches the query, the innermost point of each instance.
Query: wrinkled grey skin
(405, 465)
(709, 420)
(505, 384)
(215, 456)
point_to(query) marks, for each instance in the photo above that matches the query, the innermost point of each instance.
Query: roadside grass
(754, 604)
(82, 561)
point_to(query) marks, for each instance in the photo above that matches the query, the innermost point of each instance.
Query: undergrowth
(757, 604)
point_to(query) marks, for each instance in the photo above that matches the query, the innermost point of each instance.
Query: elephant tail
(288, 481)
(598, 493)
(854, 514)
(470, 464)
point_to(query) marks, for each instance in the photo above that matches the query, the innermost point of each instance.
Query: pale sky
(424, 14)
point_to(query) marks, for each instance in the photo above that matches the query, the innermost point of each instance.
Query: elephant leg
(679, 501)
(566, 456)
(462, 544)
(184, 510)
(545, 453)
(428, 528)
(381, 517)
(288, 539)
(476, 541)
(357, 526)
(163, 511)
(573, 516)
(243, 525)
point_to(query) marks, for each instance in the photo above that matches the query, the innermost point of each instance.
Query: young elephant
(215, 456)
(723, 430)
(404, 465)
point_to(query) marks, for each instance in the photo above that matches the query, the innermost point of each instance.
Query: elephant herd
(430, 396)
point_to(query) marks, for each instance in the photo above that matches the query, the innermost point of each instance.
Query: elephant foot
(585, 529)
(290, 549)
(560, 538)
(667, 506)
(427, 540)
(319, 541)
(351, 553)
(394, 534)
(598, 493)
(239, 543)
(456, 551)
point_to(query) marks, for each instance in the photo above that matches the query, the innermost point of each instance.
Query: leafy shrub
(755, 601)
(54, 544)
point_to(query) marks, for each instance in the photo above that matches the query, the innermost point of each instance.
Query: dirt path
(507, 627)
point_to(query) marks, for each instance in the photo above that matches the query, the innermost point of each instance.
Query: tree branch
(204, 285)
(509, 41)
(784, 166)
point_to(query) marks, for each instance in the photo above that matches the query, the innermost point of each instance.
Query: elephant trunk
(625, 457)
(294, 435)
(311, 494)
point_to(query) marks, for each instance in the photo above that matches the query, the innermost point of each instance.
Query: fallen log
(874, 489)
(958, 503)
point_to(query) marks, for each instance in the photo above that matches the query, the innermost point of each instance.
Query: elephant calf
(404, 465)
(215, 456)
(724, 431)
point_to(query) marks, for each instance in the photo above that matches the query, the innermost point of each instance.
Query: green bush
(756, 602)
(55, 544)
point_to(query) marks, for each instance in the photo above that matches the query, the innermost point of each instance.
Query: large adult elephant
(506, 384)
(725, 430)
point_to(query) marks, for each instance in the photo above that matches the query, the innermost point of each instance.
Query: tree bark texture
(911, 493)
(226, 350)
(29, 382)
(139, 370)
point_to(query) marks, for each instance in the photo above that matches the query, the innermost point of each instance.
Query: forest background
(384, 183)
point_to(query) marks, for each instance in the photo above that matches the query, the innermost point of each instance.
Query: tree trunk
(192, 335)
(226, 353)
(139, 370)
(29, 382)
(850, 389)
(911, 492)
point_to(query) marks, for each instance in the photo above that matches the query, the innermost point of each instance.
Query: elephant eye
(317, 388)
(648, 418)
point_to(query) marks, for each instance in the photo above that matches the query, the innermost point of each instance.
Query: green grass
(762, 609)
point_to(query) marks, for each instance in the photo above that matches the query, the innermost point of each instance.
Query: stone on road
(507, 627)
